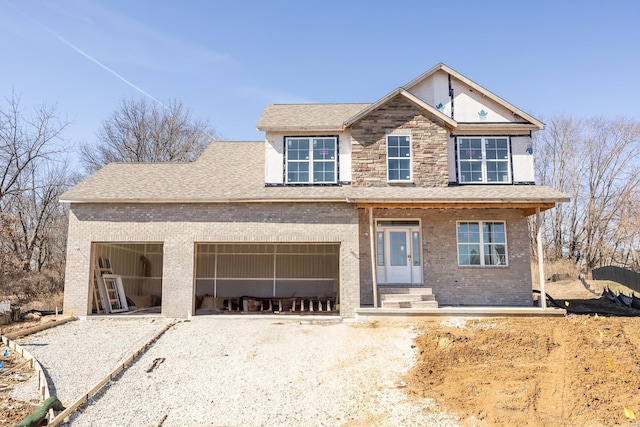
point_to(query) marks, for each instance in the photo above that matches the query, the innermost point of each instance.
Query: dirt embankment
(578, 370)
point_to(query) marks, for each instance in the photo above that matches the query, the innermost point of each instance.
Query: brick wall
(451, 284)
(178, 227)
(369, 146)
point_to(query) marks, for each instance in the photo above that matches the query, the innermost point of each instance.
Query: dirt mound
(578, 370)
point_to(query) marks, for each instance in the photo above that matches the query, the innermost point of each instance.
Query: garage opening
(126, 278)
(267, 278)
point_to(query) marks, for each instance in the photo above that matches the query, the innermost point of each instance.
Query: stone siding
(452, 284)
(428, 146)
(179, 226)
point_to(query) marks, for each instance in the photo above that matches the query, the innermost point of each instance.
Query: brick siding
(179, 226)
(451, 284)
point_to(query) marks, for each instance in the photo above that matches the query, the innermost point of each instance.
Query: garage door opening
(126, 278)
(267, 278)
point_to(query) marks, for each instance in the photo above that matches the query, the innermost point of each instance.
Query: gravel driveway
(237, 371)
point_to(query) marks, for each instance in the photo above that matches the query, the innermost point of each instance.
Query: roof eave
(528, 207)
(194, 201)
(332, 128)
(507, 126)
(461, 201)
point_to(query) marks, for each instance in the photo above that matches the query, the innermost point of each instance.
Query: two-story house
(425, 191)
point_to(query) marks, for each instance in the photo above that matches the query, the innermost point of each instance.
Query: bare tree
(25, 142)
(34, 217)
(560, 168)
(613, 175)
(596, 162)
(33, 175)
(139, 131)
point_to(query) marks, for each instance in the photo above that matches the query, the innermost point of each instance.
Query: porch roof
(233, 172)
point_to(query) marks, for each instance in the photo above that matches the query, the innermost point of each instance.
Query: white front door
(398, 255)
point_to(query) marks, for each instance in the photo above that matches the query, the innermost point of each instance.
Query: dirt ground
(582, 369)
(14, 373)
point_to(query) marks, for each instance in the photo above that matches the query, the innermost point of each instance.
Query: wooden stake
(543, 292)
(372, 248)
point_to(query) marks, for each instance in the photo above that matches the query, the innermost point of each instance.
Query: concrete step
(404, 290)
(410, 304)
(407, 297)
(425, 304)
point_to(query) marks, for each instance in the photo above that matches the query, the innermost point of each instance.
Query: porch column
(543, 293)
(372, 241)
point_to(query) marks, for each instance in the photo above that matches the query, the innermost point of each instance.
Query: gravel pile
(235, 371)
(78, 354)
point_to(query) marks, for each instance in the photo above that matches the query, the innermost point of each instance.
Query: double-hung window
(398, 158)
(482, 243)
(311, 160)
(484, 160)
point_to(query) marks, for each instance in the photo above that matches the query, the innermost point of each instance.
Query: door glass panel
(416, 248)
(380, 256)
(398, 248)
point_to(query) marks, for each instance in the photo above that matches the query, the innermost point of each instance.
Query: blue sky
(227, 59)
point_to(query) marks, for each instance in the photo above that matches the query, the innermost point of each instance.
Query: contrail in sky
(86, 55)
(101, 65)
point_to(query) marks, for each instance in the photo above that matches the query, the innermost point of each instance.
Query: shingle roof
(234, 172)
(306, 117)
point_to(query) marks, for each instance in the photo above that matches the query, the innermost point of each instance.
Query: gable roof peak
(480, 89)
(409, 97)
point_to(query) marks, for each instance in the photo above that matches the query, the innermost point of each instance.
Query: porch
(370, 314)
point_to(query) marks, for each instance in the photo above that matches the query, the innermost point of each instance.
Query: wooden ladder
(110, 289)
(99, 295)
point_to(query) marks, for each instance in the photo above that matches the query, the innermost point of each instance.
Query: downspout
(374, 280)
(543, 293)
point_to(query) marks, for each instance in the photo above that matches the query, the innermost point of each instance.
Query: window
(398, 158)
(311, 160)
(482, 243)
(484, 160)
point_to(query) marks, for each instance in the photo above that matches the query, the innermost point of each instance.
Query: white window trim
(482, 264)
(310, 160)
(410, 158)
(484, 160)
